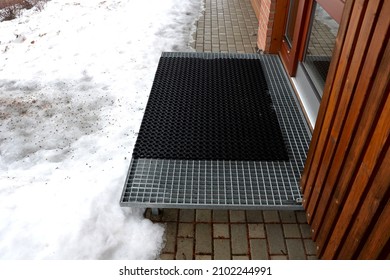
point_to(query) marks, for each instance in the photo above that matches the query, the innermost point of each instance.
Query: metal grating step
(212, 184)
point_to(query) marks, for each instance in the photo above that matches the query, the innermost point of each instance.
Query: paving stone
(256, 231)
(275, 239)
(167, 257)
(259, 250)
(301, 217)
(254, 216)
(223, 48)
(221, 231)
(305, 230)
(250, 50)
(170, 238)
(222, 249)
(312, 258)
(203, 257)
(203, 215)
(170, 215)
(239, 258)
(204, 238)
(287, 216)
(291, 231)
(185, 230)
(187, 215)
(271, 216)
(221, 216)
(237, 216)
(295, 249)
(154, 218)
(239, 239)
(310, 246)
(185, 249)
(278, 257)
(207, 48)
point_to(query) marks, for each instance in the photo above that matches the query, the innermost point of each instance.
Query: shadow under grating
(233, 183)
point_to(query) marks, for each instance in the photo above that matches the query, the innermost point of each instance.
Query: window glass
(322, 39)
(292, 16)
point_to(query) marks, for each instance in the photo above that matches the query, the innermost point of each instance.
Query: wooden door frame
(279, 21)
(291, 56)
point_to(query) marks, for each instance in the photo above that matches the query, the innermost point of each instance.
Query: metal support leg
(155, 211)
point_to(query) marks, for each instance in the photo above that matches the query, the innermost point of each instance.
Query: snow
(74, 81)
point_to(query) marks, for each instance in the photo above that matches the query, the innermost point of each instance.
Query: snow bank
(74, 81)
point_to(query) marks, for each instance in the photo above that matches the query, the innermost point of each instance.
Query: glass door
(321, 41)
(291, 20)
(292, 35)
(307, 46)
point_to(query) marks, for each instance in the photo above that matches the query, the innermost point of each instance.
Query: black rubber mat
(322, 67)
(210, 109)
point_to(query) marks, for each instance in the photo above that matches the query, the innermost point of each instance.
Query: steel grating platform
(223, 184)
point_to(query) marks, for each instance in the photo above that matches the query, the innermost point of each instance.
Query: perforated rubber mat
(229, 184)
(210, 109)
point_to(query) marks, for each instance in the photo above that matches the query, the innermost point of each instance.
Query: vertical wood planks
(345, 182)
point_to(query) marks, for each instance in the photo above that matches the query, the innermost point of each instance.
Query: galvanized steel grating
(212, 184)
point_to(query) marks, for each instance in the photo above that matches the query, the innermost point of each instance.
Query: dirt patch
(11, 9)
(9, 3)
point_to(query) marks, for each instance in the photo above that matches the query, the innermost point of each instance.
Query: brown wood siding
(346, 182)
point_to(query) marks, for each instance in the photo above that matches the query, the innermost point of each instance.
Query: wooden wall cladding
(346, 180)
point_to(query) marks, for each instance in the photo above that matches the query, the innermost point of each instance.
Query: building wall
(256, 4)
(271, 16)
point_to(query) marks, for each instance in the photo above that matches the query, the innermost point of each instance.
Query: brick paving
(322, 40)
(226, 26)
(231, 26)
(235, 234)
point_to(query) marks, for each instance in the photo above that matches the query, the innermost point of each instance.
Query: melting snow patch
(72, 95)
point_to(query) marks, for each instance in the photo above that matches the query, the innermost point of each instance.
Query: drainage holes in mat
(210, 109)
